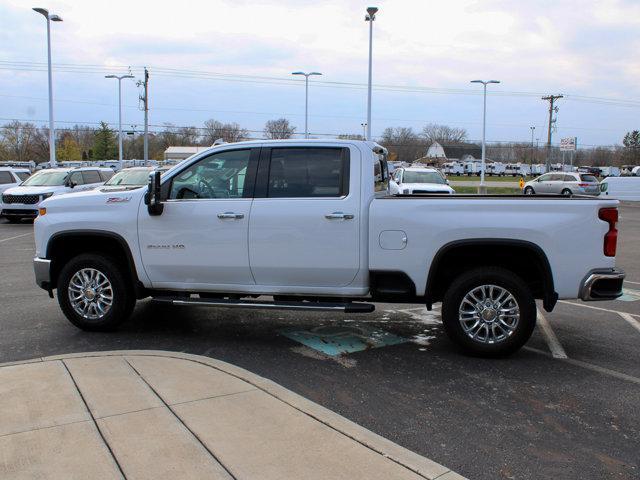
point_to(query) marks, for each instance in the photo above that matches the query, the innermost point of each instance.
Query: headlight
(46, 195)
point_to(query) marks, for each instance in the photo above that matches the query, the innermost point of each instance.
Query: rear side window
(91, 176)
(106, 174)
(308, 172)
(569, 178)
(6, 177)
(588, 178)
(556, 177)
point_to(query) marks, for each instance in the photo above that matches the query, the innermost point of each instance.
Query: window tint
(588, 178)
(106, 174)
(569, 178)
(91, 176)
(308, 172)
(6, 177)
(76, 178)
(221, 175)
(22, 175)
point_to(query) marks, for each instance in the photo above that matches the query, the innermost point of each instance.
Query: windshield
(44, 178)
(131, 178)
(422, 177)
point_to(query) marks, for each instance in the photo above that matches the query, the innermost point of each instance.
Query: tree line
(24, 141)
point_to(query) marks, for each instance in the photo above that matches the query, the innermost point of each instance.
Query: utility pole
(145, 99)
(551, 99)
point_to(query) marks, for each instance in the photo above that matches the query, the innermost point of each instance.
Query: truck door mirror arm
(152, 197)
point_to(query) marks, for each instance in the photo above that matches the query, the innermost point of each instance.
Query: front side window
(76, 178)
(23, 175)
(221, 175)
(544, 178)
(308, 172)
(569, 178)
(91, 176)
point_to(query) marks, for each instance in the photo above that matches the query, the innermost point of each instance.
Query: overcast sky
(425, 53)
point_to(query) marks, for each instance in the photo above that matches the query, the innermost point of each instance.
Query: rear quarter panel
(567, 230)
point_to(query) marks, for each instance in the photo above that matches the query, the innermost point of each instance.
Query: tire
(529, 191)
(479, 341)
(566, 192)
(122, 298)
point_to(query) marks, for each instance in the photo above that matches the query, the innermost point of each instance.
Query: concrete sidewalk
(144, 414)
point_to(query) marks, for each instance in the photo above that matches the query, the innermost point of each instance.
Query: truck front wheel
(94, 294)
(489, 312)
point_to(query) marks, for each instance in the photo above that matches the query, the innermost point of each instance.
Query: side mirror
(152, 197)
(69, 183)
(448, 182)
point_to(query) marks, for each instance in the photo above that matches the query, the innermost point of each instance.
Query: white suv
(12, 177)
(417, 180)
(24, 200)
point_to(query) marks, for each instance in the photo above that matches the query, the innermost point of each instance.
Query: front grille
(14, 212)
(24, 199)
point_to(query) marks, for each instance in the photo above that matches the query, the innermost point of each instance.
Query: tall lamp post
(119, 77)
(533, 129)
(306, 99)
(364, 130)
(370, 17)
(484, 83)
(52, 134)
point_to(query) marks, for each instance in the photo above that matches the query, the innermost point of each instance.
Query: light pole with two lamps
(52, 134)
(306, 99)
(483, 189)
(119, 77)
(370, 17)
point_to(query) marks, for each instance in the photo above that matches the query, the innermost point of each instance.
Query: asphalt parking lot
(566, 406)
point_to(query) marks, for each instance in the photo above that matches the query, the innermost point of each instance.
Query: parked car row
(22, 193)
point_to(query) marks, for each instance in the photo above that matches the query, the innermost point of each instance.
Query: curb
(410, 460)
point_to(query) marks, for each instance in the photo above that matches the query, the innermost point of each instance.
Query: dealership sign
(568, 144)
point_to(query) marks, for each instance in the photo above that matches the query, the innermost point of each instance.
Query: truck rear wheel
(489, 312)
(94, 293)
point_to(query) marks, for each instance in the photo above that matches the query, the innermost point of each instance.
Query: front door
(304, 228)
(200, 239)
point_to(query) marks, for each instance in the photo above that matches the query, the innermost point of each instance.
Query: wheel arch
(515, 255)
(63, 246)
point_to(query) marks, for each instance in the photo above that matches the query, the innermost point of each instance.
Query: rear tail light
(583, 184)
(610, 215)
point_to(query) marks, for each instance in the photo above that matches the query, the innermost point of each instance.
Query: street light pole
(364, 130)
(370, 17)
(484, 83)
(533, 129)
(119, 112)
(306, 99)
(52, 134)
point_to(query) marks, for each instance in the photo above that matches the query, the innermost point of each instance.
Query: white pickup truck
(311, 224)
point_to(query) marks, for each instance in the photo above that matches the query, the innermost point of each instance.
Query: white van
(622, 188)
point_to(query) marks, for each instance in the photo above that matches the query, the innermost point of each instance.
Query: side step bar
(348, 307)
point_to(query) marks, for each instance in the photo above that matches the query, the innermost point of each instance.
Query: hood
(92, 199)
(27, 190)
(429, 187)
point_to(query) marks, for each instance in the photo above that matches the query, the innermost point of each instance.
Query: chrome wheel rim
(489, 314)
(90, 293)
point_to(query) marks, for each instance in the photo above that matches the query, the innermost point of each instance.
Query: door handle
(339, 216)
(232, 215)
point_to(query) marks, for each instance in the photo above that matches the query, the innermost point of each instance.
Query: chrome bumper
(42, 269)
(602, 285)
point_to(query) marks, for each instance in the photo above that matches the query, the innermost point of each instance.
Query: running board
(348, 307)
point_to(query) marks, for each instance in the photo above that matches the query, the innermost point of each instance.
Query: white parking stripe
(549, 335)
(596, 308)
(17, 236)
(632, 321)
(629, 281)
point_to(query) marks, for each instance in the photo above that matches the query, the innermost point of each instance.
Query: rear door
(304, 226)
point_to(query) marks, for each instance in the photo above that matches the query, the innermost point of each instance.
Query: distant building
(447, 153)
(180, 153)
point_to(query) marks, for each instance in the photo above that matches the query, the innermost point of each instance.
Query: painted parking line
(629, 295)
(550, 337)
(630, 320)
(596, 308)
(17, 236)
(629, 281)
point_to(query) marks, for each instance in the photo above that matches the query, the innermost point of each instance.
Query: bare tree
(403, 143)
(280, 128)
(229, 132)
(443, 134)
(18, 138)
